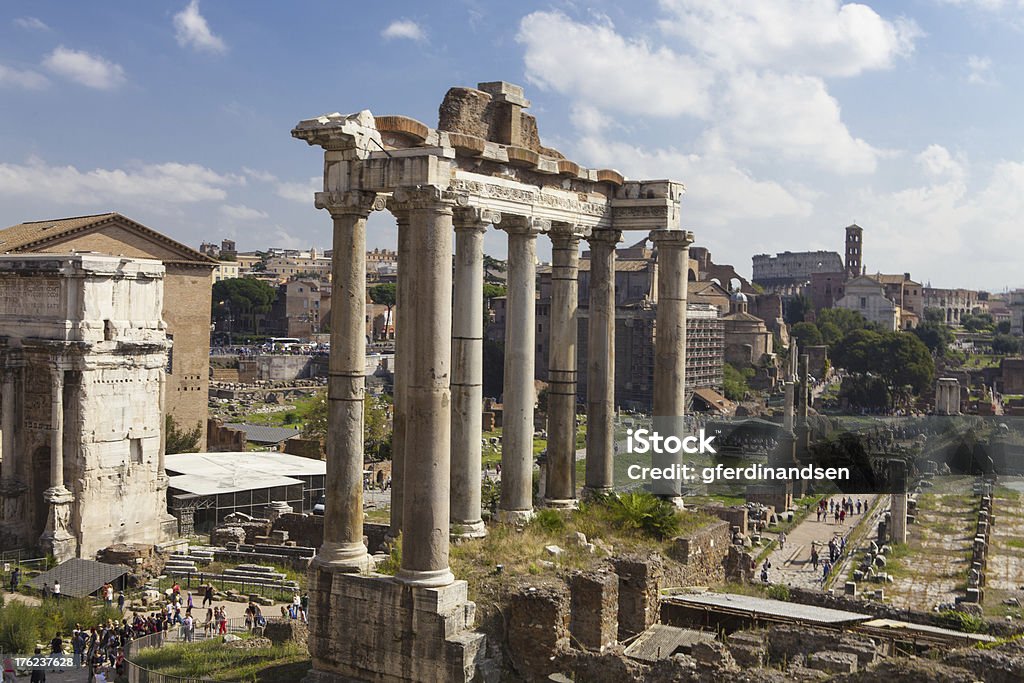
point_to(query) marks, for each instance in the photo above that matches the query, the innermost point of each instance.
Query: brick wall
(701, 556)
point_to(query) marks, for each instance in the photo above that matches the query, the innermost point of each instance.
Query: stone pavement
(1005, 571)
(939, 543)
(791, 565)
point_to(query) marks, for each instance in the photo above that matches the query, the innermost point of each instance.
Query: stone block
(538, 628)
(370, 627)
(640, 582)
(833, 662)
(850, 588)
(594, 609)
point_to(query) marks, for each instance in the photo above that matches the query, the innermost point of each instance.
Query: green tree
(1005, 344)
(1003, 327)
(843, 318)
(935, 336)
(734, 381)
(981, 322)
(180, 440)
(899, 359)
(806, 334)
(935, 315)
(491, 263)
(796, 309)
(830, 333)
(242, 296)
(377, 430)
(385, 294)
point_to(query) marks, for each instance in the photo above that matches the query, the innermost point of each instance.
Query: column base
(561, 503)
(517, 517)
(348, 558)
(675, 500)
(461, 530)
(591, 492)
(370, 628)
(434, 578)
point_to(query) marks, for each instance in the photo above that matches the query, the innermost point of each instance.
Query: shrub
(644, 512)
(778, 592)
(550, 521)
(19, 628)
(394, 562)
(962, 621)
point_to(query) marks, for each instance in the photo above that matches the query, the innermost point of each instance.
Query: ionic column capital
(568, 234)
(669, 239)
(355, 202)
(604, 237)
(426, 197)
(524, 225)
(475, 218)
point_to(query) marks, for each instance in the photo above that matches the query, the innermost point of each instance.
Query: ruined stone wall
(640, 583)
(538, 628)
(221, 438)
(594, 609)
(187, 314)
(700, 556)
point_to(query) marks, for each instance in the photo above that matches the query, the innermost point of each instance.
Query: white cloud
(261, 176)
(191, 30)
(31, 24)
(84, 68)
(593, 63)
(404, 29)
(937, 162)
(819, 37)
(240, 212)
(22, 78)
(166, 183)
(980, 70)
(713, 183)
(300, 192)
(793, 116)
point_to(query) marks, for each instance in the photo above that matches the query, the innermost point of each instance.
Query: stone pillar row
(436, 473)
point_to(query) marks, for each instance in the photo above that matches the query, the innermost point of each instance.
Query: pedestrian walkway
(791, 565)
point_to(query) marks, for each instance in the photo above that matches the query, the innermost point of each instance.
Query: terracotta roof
(740, 315)
(26, 236)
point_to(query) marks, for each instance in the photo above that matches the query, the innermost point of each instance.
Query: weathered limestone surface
(640, 580)
(382, 630)
(538, 627)
(594, 609)
(601, 363)
(83, 351)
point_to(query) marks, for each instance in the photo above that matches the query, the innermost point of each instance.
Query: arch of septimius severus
(483, 166)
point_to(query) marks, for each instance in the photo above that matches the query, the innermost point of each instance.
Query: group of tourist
(839, 511)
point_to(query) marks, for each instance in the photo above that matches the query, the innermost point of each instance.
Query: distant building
(747, 338)
(954, 303)
(226, 270)
(790, 272)
(866, 295)
(306, 264)
(1016, 306)
(186, 298)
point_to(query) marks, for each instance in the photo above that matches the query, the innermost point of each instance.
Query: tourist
(814, 557)
(188, 599)
(208, 624)
(782, 540)
(120, 601)
(188, 627)
(842, 516)
(57, 645)
(208, 595)
(46, 590)
(9, 671)
(858, 507)
(222, 622)
(835, 515)
(108, 594)
(56, 590)
(15, 578)
(38, 672)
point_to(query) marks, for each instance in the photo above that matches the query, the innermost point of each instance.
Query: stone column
(10, 458)
(601, 363)
(670, 348)
(343, 549)
(520, 358)
(57, 538)
(57, 428)
(468, 370)
(787, 415)
(560, 482)
(403, 300)
(428, 322)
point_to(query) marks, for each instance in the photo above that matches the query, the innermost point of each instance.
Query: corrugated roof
(266, 434)
(752, 605)
(79, 578)
(25, 236)
(661, 641)
(218, 464)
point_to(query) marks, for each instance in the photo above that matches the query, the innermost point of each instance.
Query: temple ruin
(83, 355)
(484, 165)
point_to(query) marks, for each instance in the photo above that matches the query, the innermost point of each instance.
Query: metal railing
(139, 674)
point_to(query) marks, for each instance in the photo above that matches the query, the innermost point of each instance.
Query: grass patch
(213, 659)
(22, 626)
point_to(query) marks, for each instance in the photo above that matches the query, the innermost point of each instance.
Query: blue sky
(786, 119)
